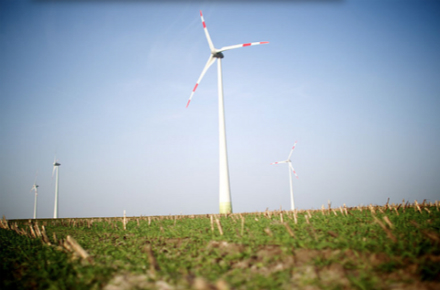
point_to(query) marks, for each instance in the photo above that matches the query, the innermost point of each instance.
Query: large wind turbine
(216, 54)
(35, 187)
(290, 167)
(56, 168)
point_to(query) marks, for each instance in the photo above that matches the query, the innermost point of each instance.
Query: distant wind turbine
(35, 187)
(216, 54)
(290, 167)
(56, 168)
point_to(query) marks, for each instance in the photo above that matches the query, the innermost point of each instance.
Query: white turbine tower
(216, 54)
(35, 187)
(56, 167)
(290, 167)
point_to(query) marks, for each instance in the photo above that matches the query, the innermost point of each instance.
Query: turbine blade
(279, 162)
(241, 45)
(291, 167)
(211, 46)
(53, 170)
(211, 60)
(291, 151)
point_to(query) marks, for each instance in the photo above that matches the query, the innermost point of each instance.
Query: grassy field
(375, 247)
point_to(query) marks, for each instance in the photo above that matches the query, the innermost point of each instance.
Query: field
(375, 247)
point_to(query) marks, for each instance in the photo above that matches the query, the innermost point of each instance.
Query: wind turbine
(290, 167)
(35, 187)
(217, 54)
(56, 168)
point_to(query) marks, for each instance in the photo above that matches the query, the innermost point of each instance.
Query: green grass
(29, 264)
(352, 251)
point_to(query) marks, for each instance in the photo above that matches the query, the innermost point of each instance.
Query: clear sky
(104, 86)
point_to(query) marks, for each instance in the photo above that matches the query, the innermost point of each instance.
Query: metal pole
(292, 204)
(35, 204)
(224, 186)
(55, 211)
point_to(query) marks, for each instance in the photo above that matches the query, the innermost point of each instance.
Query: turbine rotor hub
(219, 55)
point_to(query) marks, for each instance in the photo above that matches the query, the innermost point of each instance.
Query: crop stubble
(374, 247)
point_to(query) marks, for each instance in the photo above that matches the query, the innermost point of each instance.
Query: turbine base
(225, 207)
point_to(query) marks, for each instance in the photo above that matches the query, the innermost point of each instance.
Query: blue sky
(104, 86)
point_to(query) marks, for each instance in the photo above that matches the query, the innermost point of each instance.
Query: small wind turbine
(35, 187)
(290, 167)
(216, 54)
(56, 168)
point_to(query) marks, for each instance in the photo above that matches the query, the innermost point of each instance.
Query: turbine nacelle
(218, 55)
